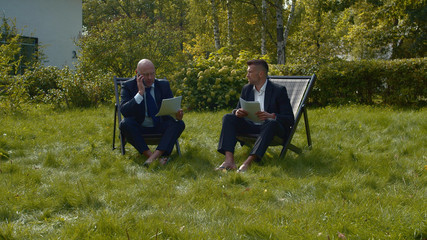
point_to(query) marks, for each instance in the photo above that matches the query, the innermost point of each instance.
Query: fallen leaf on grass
(341, 236)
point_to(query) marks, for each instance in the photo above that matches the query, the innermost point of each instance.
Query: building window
(29, 49)
(28, 52)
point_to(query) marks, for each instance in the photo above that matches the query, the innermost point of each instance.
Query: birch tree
(215, 24)
(229, 23)
(263, 27)
(288, 25)
(279, 33)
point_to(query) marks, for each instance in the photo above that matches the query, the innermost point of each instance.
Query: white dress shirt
(259, 96)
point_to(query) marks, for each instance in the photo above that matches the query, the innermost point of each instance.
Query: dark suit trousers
(171, 130)
(232, 126)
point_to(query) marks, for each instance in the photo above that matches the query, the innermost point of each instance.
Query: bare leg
(246, 164)
(147, 153)
(153, 156)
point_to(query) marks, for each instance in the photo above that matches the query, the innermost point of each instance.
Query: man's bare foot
(228, 163)
(243, 168)
(154, 156)
(246, 164)
(226, 166)
(149, 161)
(164, 160)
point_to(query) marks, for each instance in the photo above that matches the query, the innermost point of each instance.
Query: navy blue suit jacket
(276, 101)
(128, 106)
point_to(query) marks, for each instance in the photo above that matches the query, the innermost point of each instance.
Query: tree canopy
(174, 31)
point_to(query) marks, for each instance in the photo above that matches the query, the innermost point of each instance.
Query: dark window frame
(29, 47)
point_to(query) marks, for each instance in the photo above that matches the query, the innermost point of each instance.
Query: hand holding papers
(170, 106)
(251, 107)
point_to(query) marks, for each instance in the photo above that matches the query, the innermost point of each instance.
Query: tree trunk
(263, 23)
(288, 25)
(230, 23)
(279, 27)
(215, 25)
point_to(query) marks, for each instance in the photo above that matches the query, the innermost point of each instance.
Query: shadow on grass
(192, 163)
(310, 162)
(196, 162)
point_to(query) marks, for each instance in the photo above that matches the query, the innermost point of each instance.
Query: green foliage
(213, 83)
(396, 82)
(170, 11)
(8, 51)
(357, 30)
(84, 89)
(246, 27)
(41, 80)
(14, 95)
(117, 46)
(404, 81)
(14, 58)
(386, 29)
(67, 88)
(12, 91)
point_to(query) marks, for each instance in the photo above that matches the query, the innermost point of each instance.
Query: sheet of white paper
(170, 106)
(251, 107)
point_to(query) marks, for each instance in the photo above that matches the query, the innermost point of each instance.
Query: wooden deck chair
(298, 89)
(150, 139)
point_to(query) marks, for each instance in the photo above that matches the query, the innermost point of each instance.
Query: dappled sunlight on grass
(365, 177)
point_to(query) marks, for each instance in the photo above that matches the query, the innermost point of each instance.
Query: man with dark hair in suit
(141, 98)
(276, 116)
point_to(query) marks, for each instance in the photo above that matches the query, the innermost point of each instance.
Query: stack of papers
(251, 107)
(170, 106)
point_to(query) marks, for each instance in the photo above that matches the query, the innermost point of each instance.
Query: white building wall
(56, 23)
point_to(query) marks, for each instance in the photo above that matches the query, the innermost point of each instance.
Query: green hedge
(215, 83)
(395, 82)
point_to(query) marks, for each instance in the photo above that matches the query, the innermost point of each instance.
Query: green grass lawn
(364, 178)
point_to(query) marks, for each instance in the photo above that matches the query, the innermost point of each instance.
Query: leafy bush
(12, 92)
(66, 87)
(395, 82)
(213, 83)
(404, 81)
(41, 80)
(84, 89)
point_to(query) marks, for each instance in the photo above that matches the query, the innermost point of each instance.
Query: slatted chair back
(298, 89)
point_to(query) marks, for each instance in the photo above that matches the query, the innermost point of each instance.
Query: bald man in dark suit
(141, 98)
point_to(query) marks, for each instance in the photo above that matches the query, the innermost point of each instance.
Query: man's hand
(180, 114)
(241, 113)
(264, 115)
(140, 83)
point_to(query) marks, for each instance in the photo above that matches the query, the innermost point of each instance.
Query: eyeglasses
(147, 74)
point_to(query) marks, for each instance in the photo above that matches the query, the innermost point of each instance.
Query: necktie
(151, 106)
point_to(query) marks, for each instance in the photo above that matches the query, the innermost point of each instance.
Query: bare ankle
(147, 153)
(250, 159)
(229, 157)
